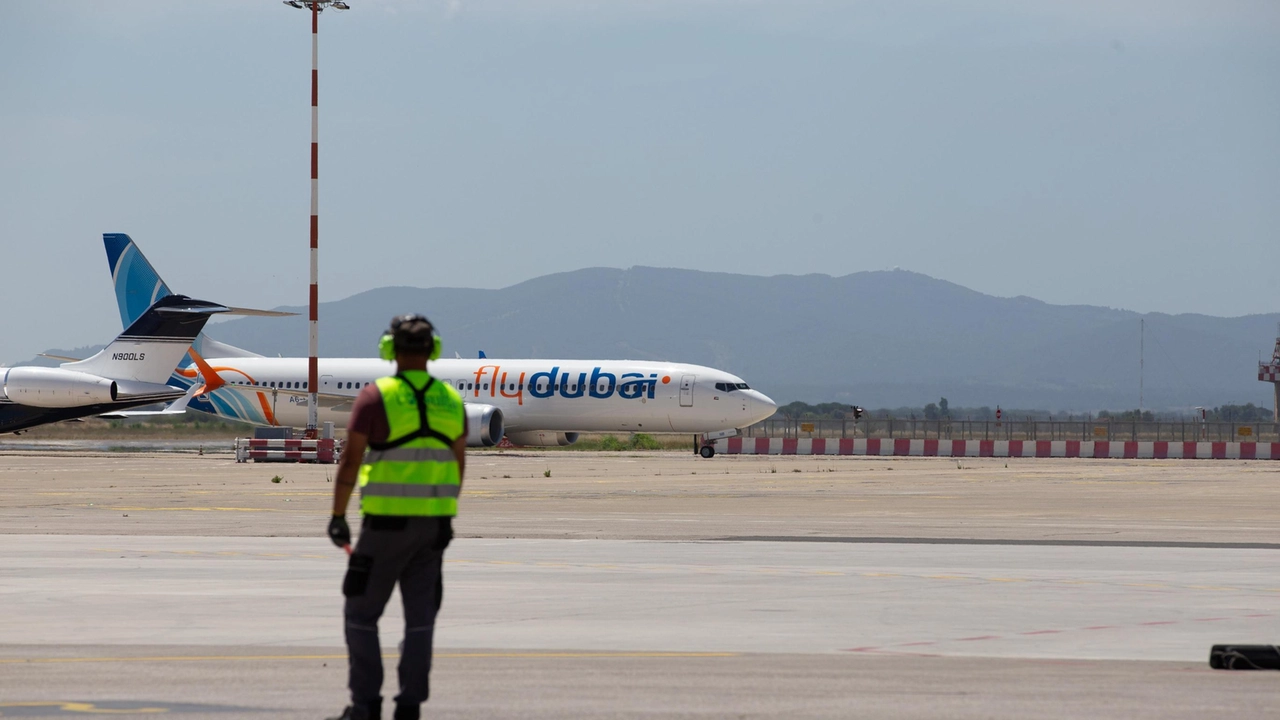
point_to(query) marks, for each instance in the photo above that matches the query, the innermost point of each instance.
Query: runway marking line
(732, 571)
(391, 656)
(188, 509)
(891, 649)
(84, 707)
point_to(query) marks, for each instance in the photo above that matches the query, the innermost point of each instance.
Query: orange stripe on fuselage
(266, 409)
(189, 373)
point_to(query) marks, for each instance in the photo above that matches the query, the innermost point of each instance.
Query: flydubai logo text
(600, 385)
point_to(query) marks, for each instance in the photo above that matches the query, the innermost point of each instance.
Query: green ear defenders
(409, 332)
(387, 347)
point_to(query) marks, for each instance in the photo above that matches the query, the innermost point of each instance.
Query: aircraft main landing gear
(707, 451)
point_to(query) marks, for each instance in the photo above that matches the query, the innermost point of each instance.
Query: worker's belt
(405, 490)
(410, 455)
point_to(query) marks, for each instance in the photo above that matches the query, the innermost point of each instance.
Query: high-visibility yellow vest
(415, 471)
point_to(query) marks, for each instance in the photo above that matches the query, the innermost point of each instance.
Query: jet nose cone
(761, 406)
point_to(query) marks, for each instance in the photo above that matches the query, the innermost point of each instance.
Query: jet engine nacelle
(56, 388)
(542, 438)
(484, 425)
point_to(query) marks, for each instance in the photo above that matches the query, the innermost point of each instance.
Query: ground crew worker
(414, 428)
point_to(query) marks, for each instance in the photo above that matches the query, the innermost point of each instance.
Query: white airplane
(530, 402)
(130, 372)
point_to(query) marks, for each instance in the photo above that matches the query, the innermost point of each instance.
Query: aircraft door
(686, 390)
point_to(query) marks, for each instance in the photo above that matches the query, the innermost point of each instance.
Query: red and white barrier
(310, 451)
(899, 447)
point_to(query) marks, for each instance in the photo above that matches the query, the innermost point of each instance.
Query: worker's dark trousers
(408, 550)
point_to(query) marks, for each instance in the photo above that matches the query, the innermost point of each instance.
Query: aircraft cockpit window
(728, 387)
(743, 386)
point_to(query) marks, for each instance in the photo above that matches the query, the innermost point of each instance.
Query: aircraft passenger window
(304, 385)
(469, 386)
(486, 386)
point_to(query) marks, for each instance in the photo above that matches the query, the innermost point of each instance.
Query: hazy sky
(1110, 152)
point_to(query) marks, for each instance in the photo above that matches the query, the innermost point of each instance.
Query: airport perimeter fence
(1016, 430)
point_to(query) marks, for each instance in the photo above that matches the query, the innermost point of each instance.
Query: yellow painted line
(83, 707)
(589, 655)
(192, 509)
(343, 656)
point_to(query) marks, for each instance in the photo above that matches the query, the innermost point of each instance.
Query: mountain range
(878, 339)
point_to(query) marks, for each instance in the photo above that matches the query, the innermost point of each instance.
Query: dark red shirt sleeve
(368, 417)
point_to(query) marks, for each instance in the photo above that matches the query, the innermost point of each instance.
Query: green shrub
(644, 441)
(611, 442)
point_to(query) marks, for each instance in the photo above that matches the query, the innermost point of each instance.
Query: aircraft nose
(761, 406)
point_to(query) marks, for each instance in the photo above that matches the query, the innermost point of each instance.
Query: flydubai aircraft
(531, 402)
(130, 372)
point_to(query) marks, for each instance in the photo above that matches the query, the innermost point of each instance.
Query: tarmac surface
(630, 585)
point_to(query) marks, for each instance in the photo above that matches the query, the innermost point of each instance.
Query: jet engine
(56, 388)
(542, 438)
(484, 425)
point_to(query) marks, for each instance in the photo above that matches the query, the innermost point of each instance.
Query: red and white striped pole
(313, 340)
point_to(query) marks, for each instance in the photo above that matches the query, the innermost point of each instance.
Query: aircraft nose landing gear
(705, 444)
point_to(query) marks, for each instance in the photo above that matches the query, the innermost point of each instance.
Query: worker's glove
(339, 531)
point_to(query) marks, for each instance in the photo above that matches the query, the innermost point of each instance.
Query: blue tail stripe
(137, 284)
